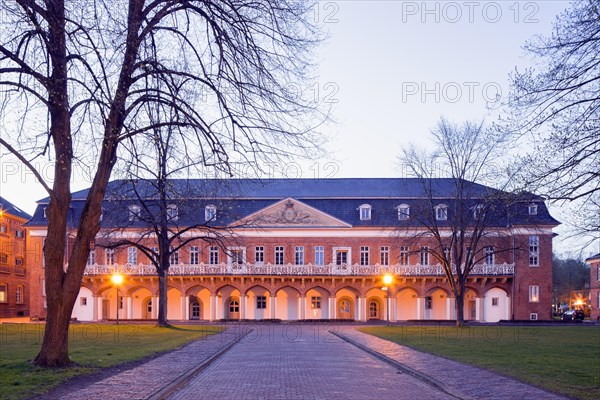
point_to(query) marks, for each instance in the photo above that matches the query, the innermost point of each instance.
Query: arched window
(441, 212)
(365, 212)
(403, 212)
(210, 213)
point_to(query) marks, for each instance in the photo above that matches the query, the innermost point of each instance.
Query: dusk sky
(390, 69)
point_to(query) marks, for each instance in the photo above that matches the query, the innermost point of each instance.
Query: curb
(442, 387)
(183, 379)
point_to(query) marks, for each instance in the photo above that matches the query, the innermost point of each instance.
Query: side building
(297, 249)
(594, 263)
(14, 285)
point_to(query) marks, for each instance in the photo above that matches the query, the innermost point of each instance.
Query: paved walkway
(302, 362)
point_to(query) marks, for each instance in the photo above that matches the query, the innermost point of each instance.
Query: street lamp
(387, 281)
(117, 279)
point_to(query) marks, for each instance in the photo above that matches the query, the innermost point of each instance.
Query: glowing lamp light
(387, 279)
(117, 279)
(579, 302)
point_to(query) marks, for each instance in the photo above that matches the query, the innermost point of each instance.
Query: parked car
(572, 315)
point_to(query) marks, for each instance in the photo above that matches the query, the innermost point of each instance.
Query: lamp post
(387, 281)
(117, 279)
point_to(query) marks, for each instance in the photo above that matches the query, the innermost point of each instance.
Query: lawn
(560, 359)
(92, 347)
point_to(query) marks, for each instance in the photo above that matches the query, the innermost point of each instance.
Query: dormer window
(45, 217)
(441, 212)
(134, 213)
(210, 213)
(478, 211)
(365, 212)
(403, 212)
(533, 209)
(172, 212)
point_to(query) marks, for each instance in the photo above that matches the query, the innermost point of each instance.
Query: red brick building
(14, 287)
(594, 262)
(314, 249)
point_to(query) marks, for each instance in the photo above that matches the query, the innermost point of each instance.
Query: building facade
(311, 249)
(14, 286)
(594, 263)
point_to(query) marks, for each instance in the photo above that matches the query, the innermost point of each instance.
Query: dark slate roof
(10, 208)
(592, 258)
(340, 198)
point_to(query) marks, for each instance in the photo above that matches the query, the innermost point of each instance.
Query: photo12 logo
(454, 12)
(451, 92)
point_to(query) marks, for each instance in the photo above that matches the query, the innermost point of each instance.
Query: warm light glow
(117, 278)
(387, 279)
(579, 302)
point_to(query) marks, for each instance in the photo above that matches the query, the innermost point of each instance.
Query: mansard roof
(339, 199)
(9, 208)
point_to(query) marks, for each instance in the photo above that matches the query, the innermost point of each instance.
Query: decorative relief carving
(289, 214)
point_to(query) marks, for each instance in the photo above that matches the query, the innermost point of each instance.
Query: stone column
(273, 304)
(507, 313)
(212, 312)
(360, 315)
(392, 305)
(420, 314)
(243, 298)
(449, 307)
(302, 307)
(94, 308)
(99, 308)
(331, 313)
(478, 309)
(155, 306)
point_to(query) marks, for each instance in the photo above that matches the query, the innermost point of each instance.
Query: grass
(91, 346)
(559, 359)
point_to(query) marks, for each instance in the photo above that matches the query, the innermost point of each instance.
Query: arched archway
(258, 303)
(470, 305)
(435, 304)
(225, 308)
(148, 308)
(406, 304)
(287, 303)
(317, 303)
(83, 310)
(496, 305)
(195, 310)
(200, 295)
(345, 308)
(374, 309)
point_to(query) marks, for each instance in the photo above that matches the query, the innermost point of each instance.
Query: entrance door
(345, 309)
(105, 309)
(374, 310)
(234, 309)
(195, 310)
(147, 311)
(472, 310)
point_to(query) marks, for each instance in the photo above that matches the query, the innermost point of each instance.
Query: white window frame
(173, 212)
(19, 233)
(348, 250)
(210, 213)
(489, 255)
(174, 257)
(319, 255)
(315, 302)
(384, 255)
(404, 255)
(533, 316)
(132, 255)
(299, 255)
(403, 212)
(534, 293)
(194, 255)
(279, 251)
(91, 260)
(534, 251)
(134, 212)
(477, 212)
(364, 255)
(532, 209)
(109, 256)
(441, 212)
(364, 212)
(259, 254)
(213, 255)
(424, 255)
(231, 250)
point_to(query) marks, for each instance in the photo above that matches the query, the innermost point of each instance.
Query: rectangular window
(428, 303)
(319, 255)
(599, 276)
(20, 233)
(213, 255)
(364, 255)
(279, 260)
(315, 302)
(404, 250)
(174, 258)
(534, 251)
(83, 301)
(259, 254)
(261, 302)
(424, 256)
(19, 295)
(489, 255)
(533, 316)
(299, 255)
(534, 294)
(3, 293)
(19, 262)
(120, 302)
(384, 255)
(109, 256)
(237, 256)
(447, 254)
(91, 257)
(132, 255)
(341, 257)
(3, 228)
(194, 255)
(3, 258)
(495, 301)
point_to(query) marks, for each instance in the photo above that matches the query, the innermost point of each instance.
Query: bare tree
(458, 215)
(89, 68)
(556, 106)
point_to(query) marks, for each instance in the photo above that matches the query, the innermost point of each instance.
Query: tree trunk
(459, 305)
(55, 347)
(162, 298)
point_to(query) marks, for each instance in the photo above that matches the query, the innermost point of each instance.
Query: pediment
(290, 213)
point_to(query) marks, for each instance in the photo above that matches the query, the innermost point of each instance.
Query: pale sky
(390, 69)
